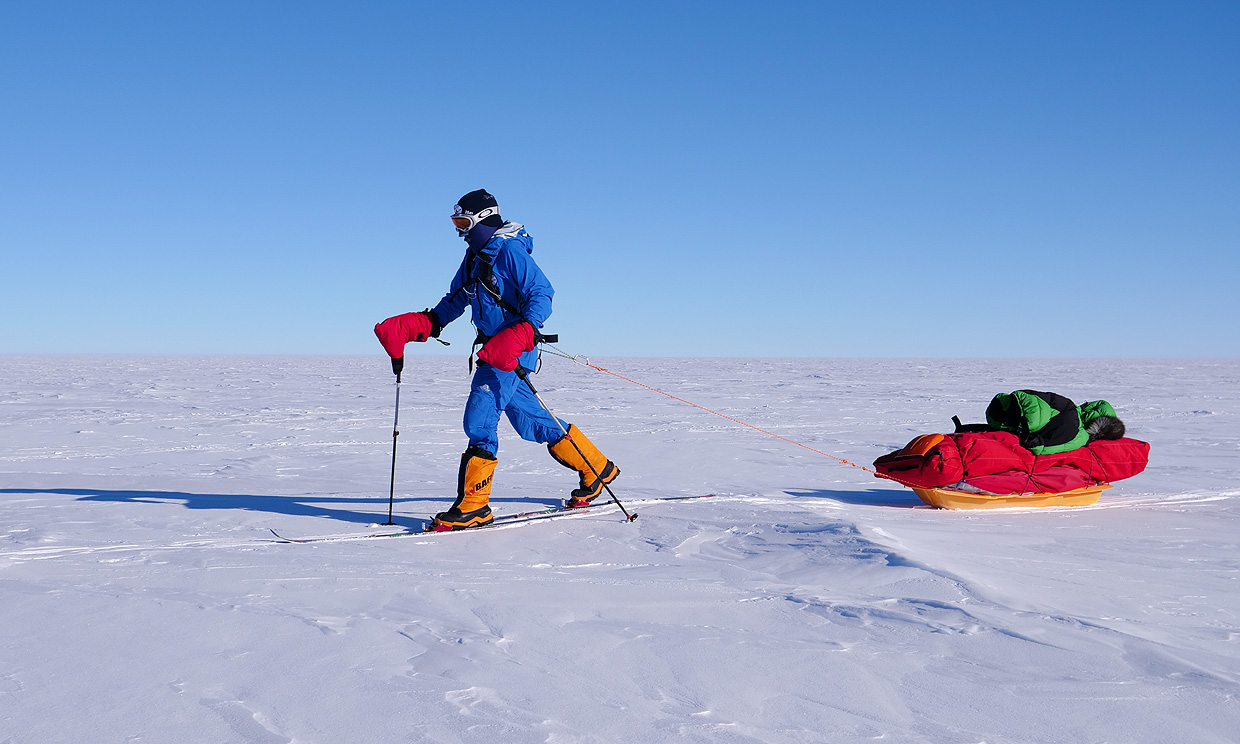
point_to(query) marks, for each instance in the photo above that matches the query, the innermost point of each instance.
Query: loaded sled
(991, 469)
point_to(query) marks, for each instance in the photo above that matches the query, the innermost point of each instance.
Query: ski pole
(395, 434)
(524, 378)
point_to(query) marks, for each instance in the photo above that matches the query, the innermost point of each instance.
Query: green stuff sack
(1046, 423)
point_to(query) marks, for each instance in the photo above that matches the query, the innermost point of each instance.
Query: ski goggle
(465, 221)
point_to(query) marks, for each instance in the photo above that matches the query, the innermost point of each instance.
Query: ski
(341, 537)
(554, 512)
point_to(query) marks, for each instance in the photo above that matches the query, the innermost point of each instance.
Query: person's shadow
(901, 498)
(294, 505)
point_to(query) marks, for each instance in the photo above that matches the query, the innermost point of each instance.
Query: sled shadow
(297, 506)
(900, 498)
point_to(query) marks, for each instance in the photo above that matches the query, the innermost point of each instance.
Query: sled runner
(949, 498)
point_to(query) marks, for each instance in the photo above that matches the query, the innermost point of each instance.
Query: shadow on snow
(292, 505)
(900, 498)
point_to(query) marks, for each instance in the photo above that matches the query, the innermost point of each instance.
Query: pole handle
(524, 375)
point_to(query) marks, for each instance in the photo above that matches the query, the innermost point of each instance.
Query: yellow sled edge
(946, 498)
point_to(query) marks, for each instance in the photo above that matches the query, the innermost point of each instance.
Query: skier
(511, 299)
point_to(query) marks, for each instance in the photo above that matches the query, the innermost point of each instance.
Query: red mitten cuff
(505, 347)
(399, 330)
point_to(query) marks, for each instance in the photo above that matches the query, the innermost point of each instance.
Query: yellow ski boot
(571, 457)
(473, 492)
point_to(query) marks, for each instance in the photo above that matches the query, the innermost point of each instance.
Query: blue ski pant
(493, 391)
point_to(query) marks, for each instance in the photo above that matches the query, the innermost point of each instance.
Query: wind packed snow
(143, 598)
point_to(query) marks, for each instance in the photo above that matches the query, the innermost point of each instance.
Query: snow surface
(142, 599)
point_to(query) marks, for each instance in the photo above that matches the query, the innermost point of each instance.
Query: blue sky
(942, 179)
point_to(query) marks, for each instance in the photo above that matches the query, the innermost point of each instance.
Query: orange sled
(946, 498)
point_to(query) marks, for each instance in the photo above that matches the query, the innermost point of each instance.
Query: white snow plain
(142, 598)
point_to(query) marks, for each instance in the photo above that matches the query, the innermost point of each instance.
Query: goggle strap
(479, 215)
(471, 217)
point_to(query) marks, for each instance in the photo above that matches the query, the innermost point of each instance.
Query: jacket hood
(510, 231)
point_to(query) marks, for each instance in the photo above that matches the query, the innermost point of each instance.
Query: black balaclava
(480, 234)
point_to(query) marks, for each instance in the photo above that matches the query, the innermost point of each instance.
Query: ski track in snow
(144, 599)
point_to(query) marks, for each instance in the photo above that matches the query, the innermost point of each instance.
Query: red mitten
(399, 330)
(502, 351)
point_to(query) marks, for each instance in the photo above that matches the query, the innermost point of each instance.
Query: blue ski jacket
(502, 285)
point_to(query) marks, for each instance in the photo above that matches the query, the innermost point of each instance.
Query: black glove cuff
(436, 326)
